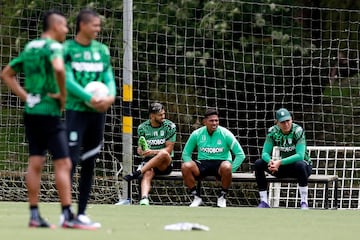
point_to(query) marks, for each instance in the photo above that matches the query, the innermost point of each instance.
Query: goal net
(246, 58)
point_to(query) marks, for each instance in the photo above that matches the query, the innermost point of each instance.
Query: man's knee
(186, 166)
(260, 164)
(163, 154)
(301, 166)
(225, 168)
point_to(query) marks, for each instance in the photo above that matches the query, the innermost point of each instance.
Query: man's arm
(298, 156)
(189, 148)
(103, 104)
(75, 88)
(59, 72)
(8, 75)
(169, 146)
(239, 154)
(267, 150)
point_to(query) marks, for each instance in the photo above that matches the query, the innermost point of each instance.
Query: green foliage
(342, 110)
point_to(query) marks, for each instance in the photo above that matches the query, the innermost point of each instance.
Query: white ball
(97, 89)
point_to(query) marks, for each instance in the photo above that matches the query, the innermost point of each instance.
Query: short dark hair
(47, 18)
(85, 16)
(211, 111)
(155, 107)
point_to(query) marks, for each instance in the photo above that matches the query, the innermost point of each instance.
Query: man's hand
(274, 165)
(101, 104)
(60, 97)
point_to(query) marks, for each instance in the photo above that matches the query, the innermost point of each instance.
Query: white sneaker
(196, 202)
(62, 219)
(221, 202)
(140, 166)
(85, 219)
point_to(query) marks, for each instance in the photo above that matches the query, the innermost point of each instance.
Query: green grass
(139, 222)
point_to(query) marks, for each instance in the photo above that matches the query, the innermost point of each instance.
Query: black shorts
(209, 167)
(85, 134)
(46, 133)
(157, 171)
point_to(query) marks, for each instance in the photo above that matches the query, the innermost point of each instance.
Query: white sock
(263, 196)
(304, 194)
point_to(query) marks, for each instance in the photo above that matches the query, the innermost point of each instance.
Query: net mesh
(247, 58)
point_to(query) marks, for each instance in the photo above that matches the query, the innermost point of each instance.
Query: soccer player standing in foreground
(86, 60)
(214, 145)
(44, 95)
(160, 136)
(294, 161)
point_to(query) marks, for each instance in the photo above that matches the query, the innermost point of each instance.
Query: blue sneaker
(304, 206)
(263, 205)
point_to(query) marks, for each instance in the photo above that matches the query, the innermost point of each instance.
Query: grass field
(139, 222)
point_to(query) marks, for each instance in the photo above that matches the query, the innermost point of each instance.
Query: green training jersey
(292, 146)
(157, 137)
(35, 61)
(217, 146)
(85, 64)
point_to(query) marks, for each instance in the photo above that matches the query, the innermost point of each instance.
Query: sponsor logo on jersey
(87, 67)
(96, 56)
(162, 133)
(287, 149)
(211, 150)
(87, 55)
(156, 142)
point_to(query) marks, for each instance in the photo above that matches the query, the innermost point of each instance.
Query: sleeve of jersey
(267, 149)
(16, 64)
(110, 81)
(73, 87)
(57, 51)
(239, 154)
(109, 73)
(298, 156)
(189, 148)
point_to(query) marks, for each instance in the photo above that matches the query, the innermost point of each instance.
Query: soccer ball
(97, 89)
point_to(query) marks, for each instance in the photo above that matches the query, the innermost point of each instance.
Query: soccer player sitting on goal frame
(294, 159)
(157, 137)
(214, 144)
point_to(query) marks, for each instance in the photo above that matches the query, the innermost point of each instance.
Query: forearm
(110, 82)
(9, 77)
(298, 156)
(60, 78)
(237, 161)
(239, 157)
(266, 152)
(74, 88)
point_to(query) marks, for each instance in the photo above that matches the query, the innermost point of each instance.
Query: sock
(34, 212)
(193, 191)
(263, 196)
(144, 197)
(304, 194)
(66, 211)
(136, 173)
(223, 192)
